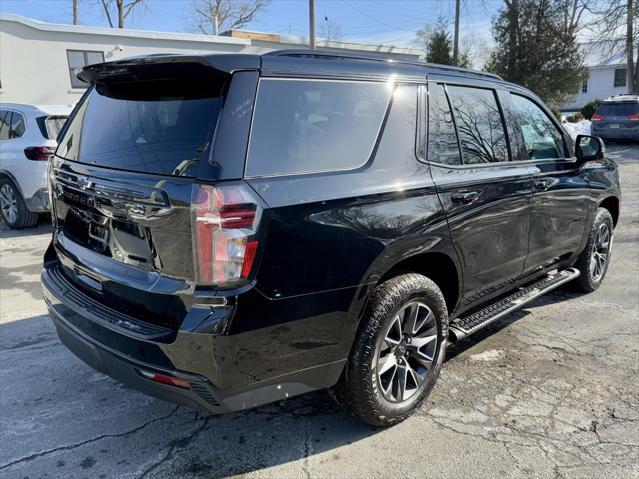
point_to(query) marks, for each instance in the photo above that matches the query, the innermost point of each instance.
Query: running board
(462, 327)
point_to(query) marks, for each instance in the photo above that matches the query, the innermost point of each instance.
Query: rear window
(50, 126)
(303, 126)
(160, 126)
(618, 109)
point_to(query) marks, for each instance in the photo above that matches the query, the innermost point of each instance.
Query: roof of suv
(289, 62)
(622, 98)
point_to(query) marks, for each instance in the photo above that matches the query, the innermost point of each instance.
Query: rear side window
(303, 126)
(542, 138)
(5, 122)
(479, 125)
(50, 126)
(442, 140)
(618, 109)
(162, 127)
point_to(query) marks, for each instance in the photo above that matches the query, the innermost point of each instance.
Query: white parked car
(27, 140)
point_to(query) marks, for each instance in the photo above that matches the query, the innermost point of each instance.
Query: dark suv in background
(617, 118)
(231, 230)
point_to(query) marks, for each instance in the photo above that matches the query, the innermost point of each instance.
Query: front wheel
(398, 351)
(594, 259)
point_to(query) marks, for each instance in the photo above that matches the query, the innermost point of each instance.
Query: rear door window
(443, 146)
(479, 125)
(542, 137)
(304, 126)
(5, 124)
(162, 127)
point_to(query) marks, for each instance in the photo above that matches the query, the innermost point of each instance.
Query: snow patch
(580, 128)
(490, 355)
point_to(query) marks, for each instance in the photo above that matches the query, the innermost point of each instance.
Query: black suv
(231, 230)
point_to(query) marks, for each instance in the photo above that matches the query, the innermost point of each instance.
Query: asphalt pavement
(549, 391)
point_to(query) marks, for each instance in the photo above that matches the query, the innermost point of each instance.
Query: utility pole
(311, 23)
(456, 39)
(75, 12)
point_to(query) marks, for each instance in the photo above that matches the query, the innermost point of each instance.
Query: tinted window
(479, 125)
(542, 138)
(302, 126)
(443, 146)
(5, 122)
(618, 109)
(78, 59)
(17, 126)
(159, 127)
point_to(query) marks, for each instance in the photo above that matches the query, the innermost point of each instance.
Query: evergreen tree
(439, 45)
(536, 51)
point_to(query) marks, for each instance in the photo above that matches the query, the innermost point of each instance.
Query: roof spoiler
(166, 66)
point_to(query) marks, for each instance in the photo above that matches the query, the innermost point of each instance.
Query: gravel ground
(550, 391)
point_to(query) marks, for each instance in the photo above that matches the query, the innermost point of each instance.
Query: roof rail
(377, 58)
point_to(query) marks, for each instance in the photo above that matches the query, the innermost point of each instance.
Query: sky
(389, 22)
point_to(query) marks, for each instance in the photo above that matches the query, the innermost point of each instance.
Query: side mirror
(589, 148)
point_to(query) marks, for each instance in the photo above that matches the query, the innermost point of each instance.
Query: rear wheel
(14, 210)
(398, 351)
(594, 259)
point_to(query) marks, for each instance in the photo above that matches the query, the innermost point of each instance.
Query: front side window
(620, 77)
(79, 59)
(542, 138)
(443, 146)
(304, 126)
(479, 125)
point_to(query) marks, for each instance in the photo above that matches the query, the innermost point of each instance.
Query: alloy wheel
(406, 354)
(600, 252)
(8, 203)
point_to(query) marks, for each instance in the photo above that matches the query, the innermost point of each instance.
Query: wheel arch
(440, 267)
(6, 174)
(612, 204)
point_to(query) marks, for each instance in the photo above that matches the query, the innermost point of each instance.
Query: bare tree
(330, 30)
(123, 9)
(573, 14)
(226, 14)
(615, 25)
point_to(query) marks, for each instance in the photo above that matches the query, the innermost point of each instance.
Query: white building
(37, 59)
(606, 75)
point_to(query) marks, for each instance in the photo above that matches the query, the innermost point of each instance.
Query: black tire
(24, 218)
(588, 281)
(359, 389)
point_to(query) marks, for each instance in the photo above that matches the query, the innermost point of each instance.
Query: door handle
(541, 185)
(464, 197)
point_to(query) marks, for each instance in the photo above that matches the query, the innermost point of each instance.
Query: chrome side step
(464, 326)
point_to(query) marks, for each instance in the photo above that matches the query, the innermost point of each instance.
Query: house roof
(602, 53)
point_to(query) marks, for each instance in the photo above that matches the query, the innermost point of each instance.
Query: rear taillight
(597, 117)
(225, 220)
(38, 153)
(634, 117)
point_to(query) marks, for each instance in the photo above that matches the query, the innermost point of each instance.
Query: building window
(584, 86)
(78, 59)
(620, 77)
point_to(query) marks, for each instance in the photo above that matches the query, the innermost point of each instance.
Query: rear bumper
(105, 347)
(39, 202)
(617, 134)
